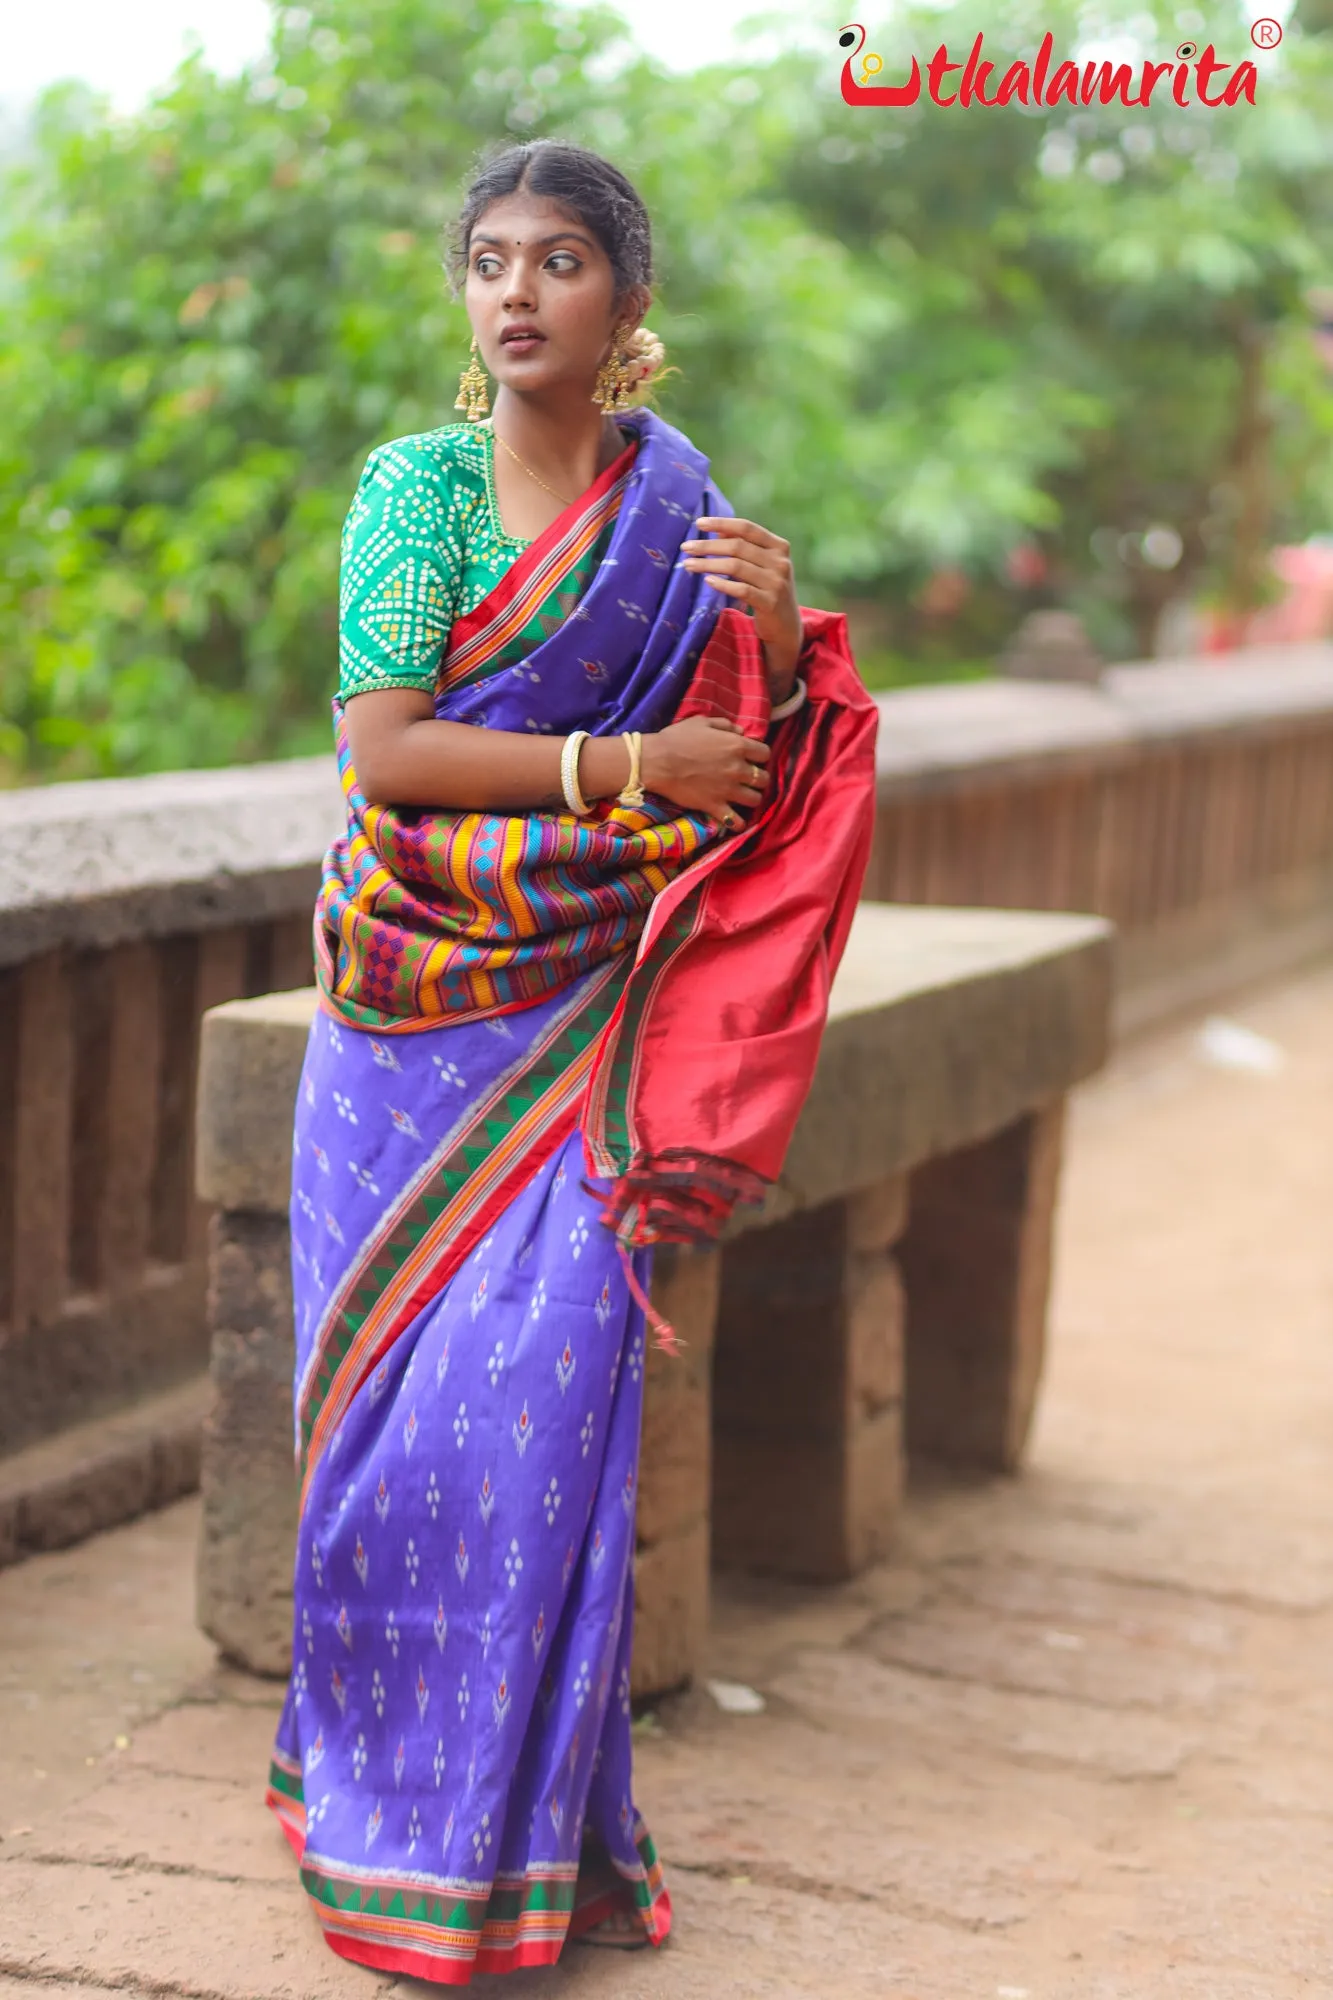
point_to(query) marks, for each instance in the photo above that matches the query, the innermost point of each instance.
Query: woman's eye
(485, 265)
(563, 260)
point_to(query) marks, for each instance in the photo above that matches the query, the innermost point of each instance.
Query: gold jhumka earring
(615, 377)
(472, 395)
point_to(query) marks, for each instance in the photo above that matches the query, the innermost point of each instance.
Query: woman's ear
(632, 307)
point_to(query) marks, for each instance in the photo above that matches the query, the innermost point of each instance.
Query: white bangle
(795, 700)
(631, 793)
(569, 773)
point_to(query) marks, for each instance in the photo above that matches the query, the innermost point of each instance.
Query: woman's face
(541, 297)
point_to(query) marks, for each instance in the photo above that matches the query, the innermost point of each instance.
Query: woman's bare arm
(404, 757)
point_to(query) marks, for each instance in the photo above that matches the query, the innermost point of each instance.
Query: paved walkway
(1072, 1744)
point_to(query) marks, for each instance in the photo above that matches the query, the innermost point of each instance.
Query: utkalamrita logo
(1037, 85)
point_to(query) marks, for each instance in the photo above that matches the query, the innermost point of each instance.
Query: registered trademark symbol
(1266, 33)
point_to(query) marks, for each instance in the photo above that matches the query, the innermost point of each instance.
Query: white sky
(126, 47)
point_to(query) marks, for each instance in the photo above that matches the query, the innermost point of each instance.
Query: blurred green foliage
(962, 360)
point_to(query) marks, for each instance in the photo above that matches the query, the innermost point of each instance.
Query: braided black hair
(585, 185)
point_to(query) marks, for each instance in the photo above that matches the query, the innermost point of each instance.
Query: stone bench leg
(807, 1390)
(673, 1554)
(976, 1258)
(247, 1538)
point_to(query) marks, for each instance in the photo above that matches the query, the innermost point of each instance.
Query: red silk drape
(728, 1034)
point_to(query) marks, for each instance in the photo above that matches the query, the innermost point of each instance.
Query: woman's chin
(524, 366)
(533, 374)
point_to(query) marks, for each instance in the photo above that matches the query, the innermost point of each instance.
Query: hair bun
(646, 357)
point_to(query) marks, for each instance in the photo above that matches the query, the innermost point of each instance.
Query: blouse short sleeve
(401, 565)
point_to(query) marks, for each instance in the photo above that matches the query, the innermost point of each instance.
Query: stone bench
(888, 1300)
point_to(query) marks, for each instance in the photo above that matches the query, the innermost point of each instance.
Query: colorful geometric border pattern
(610, 1138)
(528, 914)
(423, 1238)
(444, 1928)
(519, 596)
(548, 617)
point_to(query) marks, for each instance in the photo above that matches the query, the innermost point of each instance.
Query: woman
(574, 952)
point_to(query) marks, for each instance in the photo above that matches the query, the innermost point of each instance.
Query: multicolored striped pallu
(544, 1044)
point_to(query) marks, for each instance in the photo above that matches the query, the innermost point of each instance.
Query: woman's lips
(522, 343)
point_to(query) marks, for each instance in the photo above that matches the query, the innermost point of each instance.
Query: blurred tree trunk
(1247, 583)
(1150, 591)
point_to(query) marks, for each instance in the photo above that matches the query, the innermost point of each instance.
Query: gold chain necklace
(528, 469)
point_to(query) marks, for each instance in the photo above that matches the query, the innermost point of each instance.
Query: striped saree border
(562, 599)
(286, 1797)
(423, 1237)
(445, 1928)
(608, 1127)
(348, 1015)
(521, 592)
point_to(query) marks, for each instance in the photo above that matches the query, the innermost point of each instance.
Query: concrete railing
(1191, 803)
(889, 1298)
(127, 909)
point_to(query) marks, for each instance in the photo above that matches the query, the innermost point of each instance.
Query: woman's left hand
(753, 566)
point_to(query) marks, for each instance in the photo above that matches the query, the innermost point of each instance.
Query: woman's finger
(751, 567)
(748, 593)
(736, 524)
(746, 787)
(739, 559)
(724, 545)
(761, 576)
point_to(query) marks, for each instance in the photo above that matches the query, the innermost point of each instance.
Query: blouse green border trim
(406, 679)
(483, 430)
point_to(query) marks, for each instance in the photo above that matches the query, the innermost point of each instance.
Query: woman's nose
(519, 290)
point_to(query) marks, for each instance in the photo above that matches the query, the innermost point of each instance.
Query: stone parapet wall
(128, 908)
(1189, 802)
(1192, 803)
(188, 852)
(101, 1236)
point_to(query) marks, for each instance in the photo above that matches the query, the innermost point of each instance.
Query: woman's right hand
(707, 765)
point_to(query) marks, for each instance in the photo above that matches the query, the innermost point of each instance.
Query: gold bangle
(632, 792)
(569, 773)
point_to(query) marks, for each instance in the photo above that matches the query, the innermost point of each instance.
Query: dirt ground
(1073, 1743)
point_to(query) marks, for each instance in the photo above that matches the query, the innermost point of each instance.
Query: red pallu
(704, 1067)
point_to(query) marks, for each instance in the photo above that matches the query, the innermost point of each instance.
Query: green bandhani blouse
(422, 545)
